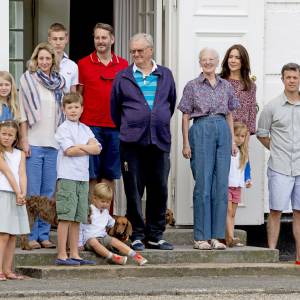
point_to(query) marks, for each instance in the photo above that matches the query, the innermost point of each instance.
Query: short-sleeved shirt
(96, 79)
(69, 70)
(69, 134)
(100, 220)
(280, 120)
(200, 98)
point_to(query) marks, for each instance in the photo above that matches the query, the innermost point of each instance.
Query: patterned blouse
(246, 113)
(201, 99)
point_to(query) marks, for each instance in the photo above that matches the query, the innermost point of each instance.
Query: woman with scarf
(40, 96)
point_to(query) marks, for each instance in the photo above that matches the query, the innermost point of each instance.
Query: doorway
(81, 33)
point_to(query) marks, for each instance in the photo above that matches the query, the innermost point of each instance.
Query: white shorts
(283, 189)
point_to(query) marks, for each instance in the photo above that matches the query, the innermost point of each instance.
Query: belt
(210, 115)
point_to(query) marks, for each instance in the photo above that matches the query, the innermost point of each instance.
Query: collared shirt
(147, 83)
(100, 220)
(200, 98)
(69, 134)
(280, 120)
(69, 70)
(96, 79)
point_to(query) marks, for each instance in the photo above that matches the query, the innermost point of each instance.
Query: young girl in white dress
(239, 177)
(13, 214)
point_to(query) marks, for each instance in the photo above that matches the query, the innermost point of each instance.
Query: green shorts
(72, 200)
(104, 241)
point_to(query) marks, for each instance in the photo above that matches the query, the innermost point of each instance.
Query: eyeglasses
(139, 51)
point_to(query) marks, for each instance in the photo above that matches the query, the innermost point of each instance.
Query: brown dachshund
(44, 208)
(170, 220)
(122, 229)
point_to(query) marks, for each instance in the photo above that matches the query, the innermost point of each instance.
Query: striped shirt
(147, 83)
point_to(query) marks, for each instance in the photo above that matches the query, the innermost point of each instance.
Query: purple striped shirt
(200, 98)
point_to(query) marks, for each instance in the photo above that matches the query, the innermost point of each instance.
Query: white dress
(13, 218)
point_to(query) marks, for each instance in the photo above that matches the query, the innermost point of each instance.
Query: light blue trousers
(210, 141)
(41, 180)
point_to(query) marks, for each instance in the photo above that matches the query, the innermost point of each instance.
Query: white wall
(49, 12)
(4, 33)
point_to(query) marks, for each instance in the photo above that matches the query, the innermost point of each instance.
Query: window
(16, 38)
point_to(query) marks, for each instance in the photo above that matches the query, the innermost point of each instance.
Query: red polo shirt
(96, 79)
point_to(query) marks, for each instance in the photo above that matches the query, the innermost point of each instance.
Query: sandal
(217, 245)
(236, 242)
(14, 276)
(202, 245)
(2, 277)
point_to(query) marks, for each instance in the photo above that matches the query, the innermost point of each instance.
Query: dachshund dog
(122, 229)
(44, 208)
(170, 220)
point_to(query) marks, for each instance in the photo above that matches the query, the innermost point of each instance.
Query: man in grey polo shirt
(279, 131)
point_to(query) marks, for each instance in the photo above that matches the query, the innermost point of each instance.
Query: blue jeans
(107, 164)
(41, 180)
(210, 141)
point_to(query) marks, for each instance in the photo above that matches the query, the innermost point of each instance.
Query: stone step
(181, 236)
(163, 270)
(176, 236)
(181, 254)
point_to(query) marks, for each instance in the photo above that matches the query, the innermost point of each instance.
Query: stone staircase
(182, 261)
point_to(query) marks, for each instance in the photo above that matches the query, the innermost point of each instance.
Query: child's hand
(81, 248)
(248, 184)
(20, 199)
(234, 149)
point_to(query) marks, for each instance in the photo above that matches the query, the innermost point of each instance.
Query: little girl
(94, 235)
(9, 108)
(239, 176)
(13, 213)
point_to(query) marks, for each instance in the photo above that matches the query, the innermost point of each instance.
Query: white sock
(109, 255)
(131, 253)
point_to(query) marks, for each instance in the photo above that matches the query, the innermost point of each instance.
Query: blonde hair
(103, 191)
(239, 127)
(32, 64)
(12, 102)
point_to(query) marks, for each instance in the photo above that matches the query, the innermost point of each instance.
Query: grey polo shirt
(280, 120)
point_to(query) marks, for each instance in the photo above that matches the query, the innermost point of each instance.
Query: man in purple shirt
(142, 103)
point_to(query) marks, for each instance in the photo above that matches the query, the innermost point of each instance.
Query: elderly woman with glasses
(209, 100)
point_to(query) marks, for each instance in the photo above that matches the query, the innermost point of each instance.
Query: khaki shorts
(72, 200)
(104, 241)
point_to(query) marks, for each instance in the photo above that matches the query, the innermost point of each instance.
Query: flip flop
(14, 276)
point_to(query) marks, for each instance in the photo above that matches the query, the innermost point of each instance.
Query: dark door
(83, 17)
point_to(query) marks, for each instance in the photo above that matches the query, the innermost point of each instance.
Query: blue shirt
(6, 113)
(147, 83)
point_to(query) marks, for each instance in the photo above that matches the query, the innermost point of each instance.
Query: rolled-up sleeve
(186, 104)
(264, 122)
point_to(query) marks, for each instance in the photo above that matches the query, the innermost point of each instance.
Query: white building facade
(269, 29)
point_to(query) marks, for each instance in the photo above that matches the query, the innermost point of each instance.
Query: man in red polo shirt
(96, 74)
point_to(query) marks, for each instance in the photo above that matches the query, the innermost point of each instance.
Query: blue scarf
(55, 82)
